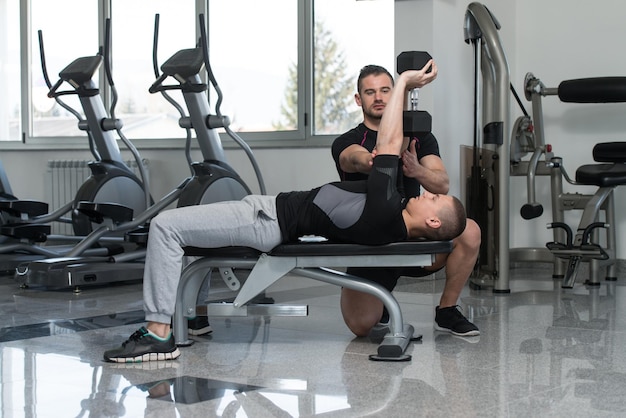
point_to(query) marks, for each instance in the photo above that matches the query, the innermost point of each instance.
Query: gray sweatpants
(251, 222)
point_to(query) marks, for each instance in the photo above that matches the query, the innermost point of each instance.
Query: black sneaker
(143, 346)
(378, 331)
(384, 319)
(451, 320)
(199, 326)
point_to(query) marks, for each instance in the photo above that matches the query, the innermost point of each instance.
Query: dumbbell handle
(414, 96)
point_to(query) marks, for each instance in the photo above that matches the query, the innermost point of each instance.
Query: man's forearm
(390, 133)
(436, 182)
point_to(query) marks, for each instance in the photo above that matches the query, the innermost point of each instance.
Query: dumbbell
(416, 123)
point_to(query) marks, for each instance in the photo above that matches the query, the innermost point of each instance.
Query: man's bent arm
(391, 133)
(355, 159)
(430, 172)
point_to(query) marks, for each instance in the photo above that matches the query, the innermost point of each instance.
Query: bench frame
(311, 260)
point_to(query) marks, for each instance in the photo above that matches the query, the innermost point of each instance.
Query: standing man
(353, 153)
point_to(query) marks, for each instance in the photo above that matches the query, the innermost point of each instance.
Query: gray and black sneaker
(143, 346)
(451, 320)
(199, 326)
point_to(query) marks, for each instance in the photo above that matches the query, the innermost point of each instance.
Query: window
(254, 56)
(10, 112)
(348, 35)
(147, 115)
(287, 70)
(69, 32)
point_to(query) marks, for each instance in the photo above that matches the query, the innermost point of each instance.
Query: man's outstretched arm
(391, 133)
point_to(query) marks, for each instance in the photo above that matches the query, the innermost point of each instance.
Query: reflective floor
(543, 352)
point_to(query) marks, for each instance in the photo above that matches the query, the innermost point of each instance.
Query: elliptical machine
(212, 180)
(111, 180)
(27, 222)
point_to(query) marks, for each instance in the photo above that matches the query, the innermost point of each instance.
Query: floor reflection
(542, 352)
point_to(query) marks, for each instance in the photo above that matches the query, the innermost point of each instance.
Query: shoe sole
(464, 334)
(200, 331)
(147, 357)
(146, 365)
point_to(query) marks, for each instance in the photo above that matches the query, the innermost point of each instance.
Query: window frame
(303, 136)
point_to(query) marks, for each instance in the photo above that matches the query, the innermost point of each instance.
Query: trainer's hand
(410, 163)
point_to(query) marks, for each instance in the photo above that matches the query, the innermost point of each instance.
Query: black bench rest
(605, 175)
(328, 248)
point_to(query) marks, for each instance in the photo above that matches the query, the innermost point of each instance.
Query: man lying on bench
(371, 212)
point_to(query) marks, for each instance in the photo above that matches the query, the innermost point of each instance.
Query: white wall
(555, 40)
(558, 41)
(282, 169)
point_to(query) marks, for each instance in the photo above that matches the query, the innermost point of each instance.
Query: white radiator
(64, 178)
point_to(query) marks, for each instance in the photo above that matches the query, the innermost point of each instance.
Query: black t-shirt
(360, 212)
(365, 137)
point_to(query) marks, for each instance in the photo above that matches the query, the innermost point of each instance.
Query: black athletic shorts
(388, 276)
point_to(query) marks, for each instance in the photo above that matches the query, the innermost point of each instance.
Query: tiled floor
(542, 352)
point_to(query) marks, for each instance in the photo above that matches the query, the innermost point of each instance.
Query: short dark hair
(453, 221)
(371, 70)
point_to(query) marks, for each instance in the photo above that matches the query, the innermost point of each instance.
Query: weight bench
(606, 174)
(584, 244)
(314, 260)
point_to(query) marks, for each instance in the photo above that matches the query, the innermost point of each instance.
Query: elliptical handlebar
(114, 123)
(225, 120)
(46, 77)
(185, 66)
(158, 87)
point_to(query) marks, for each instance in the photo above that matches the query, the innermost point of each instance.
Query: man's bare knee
(470, 237)
(360, 311)
(360, 326)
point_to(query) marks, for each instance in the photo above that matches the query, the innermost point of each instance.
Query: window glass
(254, 56)
(9, 71)
(69, 33)
(147, 115)
(348, 35)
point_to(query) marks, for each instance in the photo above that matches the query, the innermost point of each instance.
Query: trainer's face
(374, 94)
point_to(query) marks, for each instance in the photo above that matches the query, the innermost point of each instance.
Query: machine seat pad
(29, 207)
(610, 152)
(601, 175)
(327, 248)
